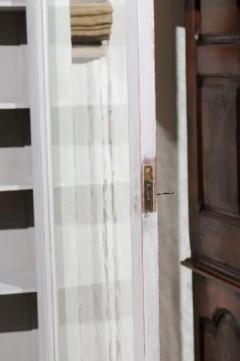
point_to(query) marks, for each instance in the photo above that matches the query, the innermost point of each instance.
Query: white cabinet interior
(18, 305)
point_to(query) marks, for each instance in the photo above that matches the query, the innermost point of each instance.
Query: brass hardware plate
(148, 189)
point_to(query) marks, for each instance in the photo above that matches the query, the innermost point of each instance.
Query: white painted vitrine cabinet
(78, 255)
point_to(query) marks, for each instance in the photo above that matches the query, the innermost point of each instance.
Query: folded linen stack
(91, 23)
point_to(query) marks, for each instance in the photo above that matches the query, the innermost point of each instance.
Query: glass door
(91, 272)
(91, 180)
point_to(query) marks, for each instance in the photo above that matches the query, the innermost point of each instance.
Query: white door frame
(143, 135)
(142, 118)
(148, 151)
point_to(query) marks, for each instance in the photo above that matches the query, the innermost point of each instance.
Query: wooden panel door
(213, 67)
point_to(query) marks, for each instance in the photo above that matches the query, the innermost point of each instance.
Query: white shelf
(5, 4)
(17, 282)
(13, 187)
(6, 106)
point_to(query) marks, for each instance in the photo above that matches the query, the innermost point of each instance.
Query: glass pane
(90, 157)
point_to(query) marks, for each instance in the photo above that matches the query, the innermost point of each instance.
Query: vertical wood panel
(219, 16)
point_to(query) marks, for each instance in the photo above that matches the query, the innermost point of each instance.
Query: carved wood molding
(214, 270)
(220, 337)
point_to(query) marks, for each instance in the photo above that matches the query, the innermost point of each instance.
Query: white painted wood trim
(148, 154)
(13, 187)
(135, 179)
(40, 113)
(6, 106)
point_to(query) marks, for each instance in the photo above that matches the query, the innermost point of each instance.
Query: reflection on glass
(90, 152)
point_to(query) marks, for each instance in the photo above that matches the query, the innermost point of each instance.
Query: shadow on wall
(175, 284)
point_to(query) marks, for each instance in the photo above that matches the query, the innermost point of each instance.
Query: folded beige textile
(91, 20)
(85, 53)
(91, 9)
(88, 32)
(88, 40)
(91, 33)
(90, 28)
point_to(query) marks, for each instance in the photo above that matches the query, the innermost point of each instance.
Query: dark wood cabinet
(217, 315)
(213, 81)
